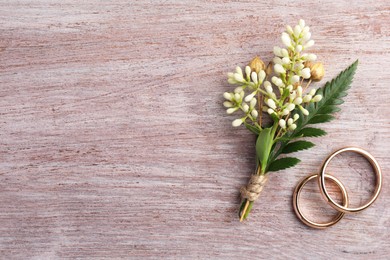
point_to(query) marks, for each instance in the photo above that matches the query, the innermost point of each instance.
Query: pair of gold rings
(342, 209)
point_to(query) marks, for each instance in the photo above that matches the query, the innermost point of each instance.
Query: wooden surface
(114, 142)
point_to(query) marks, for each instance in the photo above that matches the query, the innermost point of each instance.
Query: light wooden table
(114, 142)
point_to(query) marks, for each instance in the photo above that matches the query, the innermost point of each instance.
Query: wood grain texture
(114, 142)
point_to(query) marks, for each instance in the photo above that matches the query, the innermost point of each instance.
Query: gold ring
(304, 219)
(375, 166)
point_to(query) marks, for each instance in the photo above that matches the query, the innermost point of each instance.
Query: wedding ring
(298, 211)
(322, 176)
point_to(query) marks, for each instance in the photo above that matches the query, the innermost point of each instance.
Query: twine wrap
(254, 187)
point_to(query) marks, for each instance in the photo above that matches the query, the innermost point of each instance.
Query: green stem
(246, 206)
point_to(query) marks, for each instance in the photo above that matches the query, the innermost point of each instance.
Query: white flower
(295, 79)
(228, 96)
(317, 98)
(238, 90)
(285, 112)
(227, 104)
(290, 88)
(270, 111)
(245, 108)
(239, 70)
(277, 60)
(309, 44)
(292, 127)
(250, 97)
(284, 52)
(304, 111)
(312, 92)
(311, 57)
(286, 60)
(286, 39)
(268, 88)
(253, 102)
(239, 77)
(271, 103)
(296, 117)
(254, 113)
(231, 110)
(306, 36)
(298, 101)
(278, 51)
(290, 121)
(237, 96)
(289, 29)
(279, 69)
(297, 30)
(291, 106)
(254, 77)
(237, 122)
(306, 73)
(299, 48)
(307, 98)
(277, 81)
(301, 23)
(299, 91)
(247, 70)
(261, 76)
(282, 123)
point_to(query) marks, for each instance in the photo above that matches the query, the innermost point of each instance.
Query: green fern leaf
(320, 112)
(320, 119)
(311, 132)
(297, 146)
(283, 163)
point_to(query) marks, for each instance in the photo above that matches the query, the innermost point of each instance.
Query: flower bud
(245, 108)
(317, 71)
(307, 98)
(286, 39)
(228, 96)
(254, 113)
(237, 122)
(290, 121)
(247, 71)
(285, 112)
(317, 98)
(250, 97)
(271, 103)
(279, 69)
(268, 70)
(291, 106)
(227, 104)
(256, 64)
(292, 127)
(253, 102)
(231, 110)
(282, 123)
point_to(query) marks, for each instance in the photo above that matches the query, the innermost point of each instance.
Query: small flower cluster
(291, 67)
(237, 100)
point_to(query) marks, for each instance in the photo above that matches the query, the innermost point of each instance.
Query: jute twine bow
(254, 187)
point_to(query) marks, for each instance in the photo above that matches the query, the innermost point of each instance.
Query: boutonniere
(282, 91)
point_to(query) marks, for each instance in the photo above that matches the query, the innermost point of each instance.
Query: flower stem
(246, 205)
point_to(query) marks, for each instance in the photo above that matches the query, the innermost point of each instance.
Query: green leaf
(311, 132)
(297, 146)
(329, 109)
(283, 163)
(252, 128)
(263, 147)
(320, 112)
(320, 119)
